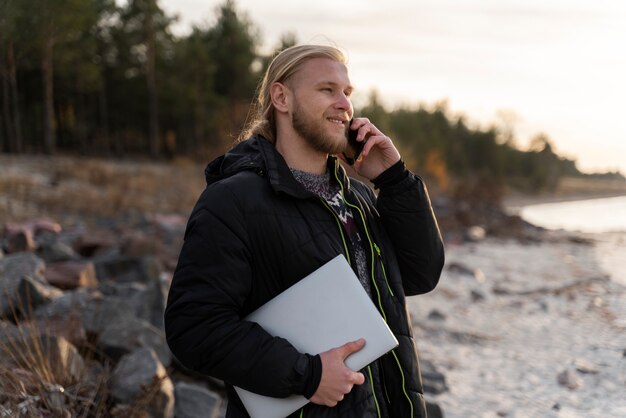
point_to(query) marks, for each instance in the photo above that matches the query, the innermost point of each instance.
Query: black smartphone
(354, 148)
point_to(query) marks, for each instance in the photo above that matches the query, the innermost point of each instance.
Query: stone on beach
(71, 274)
(130, 333)
(21, 241)
(126, 269)
(569, 379)
(22, 236)
(95, 242)
(194, 401)
(148, 299)
(31, 293)
(434, 381)
(139, 375)
(52, 250)
(13, 268)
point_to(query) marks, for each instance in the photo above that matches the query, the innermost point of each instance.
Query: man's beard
(313, 133)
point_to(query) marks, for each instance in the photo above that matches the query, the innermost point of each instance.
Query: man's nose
(344, 103)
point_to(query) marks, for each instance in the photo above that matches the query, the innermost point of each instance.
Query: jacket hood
(259, 155)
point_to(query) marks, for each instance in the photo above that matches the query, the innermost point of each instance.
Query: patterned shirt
(330, 191)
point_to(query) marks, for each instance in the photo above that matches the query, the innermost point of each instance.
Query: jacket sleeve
(203, 324)
(407, 216)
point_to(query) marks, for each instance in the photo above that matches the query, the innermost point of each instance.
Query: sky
(553, 67)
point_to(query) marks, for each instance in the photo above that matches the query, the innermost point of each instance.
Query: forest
(100, 78)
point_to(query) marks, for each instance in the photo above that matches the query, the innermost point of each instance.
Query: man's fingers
(351, 347)
(359, 378)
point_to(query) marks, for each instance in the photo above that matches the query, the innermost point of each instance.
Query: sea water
(594, 215)
(604, 218)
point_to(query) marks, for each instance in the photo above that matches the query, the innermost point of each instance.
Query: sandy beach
(529, 330)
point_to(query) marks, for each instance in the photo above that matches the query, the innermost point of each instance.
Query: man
(277, 207)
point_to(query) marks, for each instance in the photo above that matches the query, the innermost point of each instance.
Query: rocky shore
(81, 324)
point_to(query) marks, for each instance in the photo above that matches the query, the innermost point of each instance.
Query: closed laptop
(324, 310)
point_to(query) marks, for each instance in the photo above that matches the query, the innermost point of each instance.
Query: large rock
(51, 249)
(103, 312)
(140, 378)
(70, 302)
(69, 327)
(128, 334)
(95, 311)
(13, 268)
(148, 299)
(20, 241)
(126, 269)
(136, 280)
(64, 359)
(140, 245)
(71, 274)
(95, 242)
(433, 381)
(195, 401)
(433, 410)
(31, 293)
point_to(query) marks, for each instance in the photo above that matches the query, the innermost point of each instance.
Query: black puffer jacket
(254, 232)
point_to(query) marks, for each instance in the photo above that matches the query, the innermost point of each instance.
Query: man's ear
(281, 97)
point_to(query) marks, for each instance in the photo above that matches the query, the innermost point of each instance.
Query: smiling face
(321, 107)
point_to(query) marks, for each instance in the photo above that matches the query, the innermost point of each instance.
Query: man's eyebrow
(349, 88)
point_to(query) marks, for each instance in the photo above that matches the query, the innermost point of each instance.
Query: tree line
(97, 77)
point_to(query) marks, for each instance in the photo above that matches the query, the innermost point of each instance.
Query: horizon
(536, 68)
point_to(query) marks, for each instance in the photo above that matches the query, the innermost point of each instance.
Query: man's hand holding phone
(369, 151)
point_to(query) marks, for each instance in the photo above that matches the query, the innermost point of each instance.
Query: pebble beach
(529, 329)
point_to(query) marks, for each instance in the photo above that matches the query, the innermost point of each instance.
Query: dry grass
(37, 380)
(35, 186)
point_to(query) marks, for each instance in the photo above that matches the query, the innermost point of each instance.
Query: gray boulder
(140, 378)
(434, 382)
(21, 240)
(148, 299)
(51, 248)
(94, 311)
(102, 312)
(130, 333)
(433, 410)
(195, 401)
(13, 268)
(71, 274)
(126, 269)
(31, 293)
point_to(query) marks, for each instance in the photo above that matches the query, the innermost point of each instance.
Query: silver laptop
(326, 309)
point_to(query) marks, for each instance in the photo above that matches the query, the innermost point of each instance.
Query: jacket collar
(259, 155)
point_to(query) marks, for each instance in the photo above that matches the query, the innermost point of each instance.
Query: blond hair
(262, 120)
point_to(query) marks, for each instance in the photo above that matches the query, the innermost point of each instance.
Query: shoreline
(514, 203)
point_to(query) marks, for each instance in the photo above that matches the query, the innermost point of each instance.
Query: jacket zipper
(382, 265)
(372, 244)
(345, 246)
